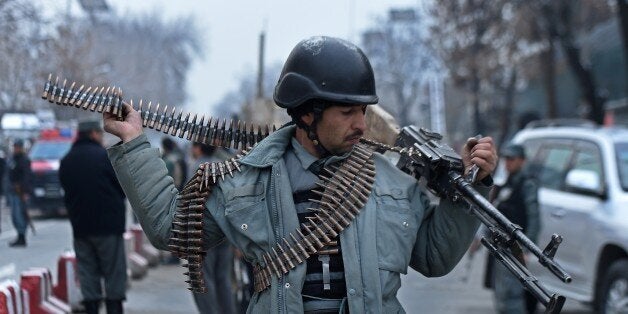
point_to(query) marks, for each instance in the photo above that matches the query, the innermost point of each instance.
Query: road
(163, 290)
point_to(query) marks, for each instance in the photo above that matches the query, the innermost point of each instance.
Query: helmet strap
(317, 110)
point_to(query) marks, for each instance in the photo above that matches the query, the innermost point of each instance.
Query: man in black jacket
(95, 204)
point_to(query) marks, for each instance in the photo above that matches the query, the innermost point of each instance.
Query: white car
(583, 195)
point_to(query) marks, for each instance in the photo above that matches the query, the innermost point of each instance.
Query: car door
(578, 214)
(550, 167)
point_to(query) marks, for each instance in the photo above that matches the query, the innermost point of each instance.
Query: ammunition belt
(344, 193)
(209, 131)
(213, 132)
(187, 226)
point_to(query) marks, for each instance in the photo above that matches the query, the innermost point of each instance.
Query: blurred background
(457, 67)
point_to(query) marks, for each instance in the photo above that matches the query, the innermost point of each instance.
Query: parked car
(46, 155)
(583, 177)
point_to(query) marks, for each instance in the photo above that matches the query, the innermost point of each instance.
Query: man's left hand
(480, 152)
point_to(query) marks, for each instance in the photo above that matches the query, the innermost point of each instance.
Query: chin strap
(318, 109)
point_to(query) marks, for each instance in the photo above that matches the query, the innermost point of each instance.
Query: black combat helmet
(328, 69)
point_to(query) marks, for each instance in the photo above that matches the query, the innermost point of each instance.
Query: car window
(49, 150)
(621, 152)
(553, 166)
(588, 159)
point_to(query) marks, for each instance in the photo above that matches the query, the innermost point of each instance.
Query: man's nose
(360, 122)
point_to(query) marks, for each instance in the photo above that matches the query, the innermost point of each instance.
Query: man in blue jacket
(95, 204)
(269, 209)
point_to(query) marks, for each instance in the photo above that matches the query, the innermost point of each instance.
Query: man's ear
(308, 118)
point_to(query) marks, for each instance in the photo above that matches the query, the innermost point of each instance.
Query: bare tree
(403, 63)
(465, 33)
(145, 56)
(560, 23)
(21, 45)
(622, 12)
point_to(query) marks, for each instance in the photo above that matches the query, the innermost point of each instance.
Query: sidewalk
(163, 290)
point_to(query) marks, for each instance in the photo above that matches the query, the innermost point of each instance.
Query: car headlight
(39, 192)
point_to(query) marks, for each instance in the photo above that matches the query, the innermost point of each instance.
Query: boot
(114, 306)
(20, 241)
(91, 307)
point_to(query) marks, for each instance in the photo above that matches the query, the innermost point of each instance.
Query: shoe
(91, 307)
(20, 241)
(114, 306)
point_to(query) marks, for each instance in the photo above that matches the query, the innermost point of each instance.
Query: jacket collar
(271, 149)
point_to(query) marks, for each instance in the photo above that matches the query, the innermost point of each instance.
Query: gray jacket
(397, 228)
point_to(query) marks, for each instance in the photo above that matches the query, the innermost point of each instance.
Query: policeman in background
(95, 204)
(218, 263)
(517, 200)
(19, 190)
(175, 161)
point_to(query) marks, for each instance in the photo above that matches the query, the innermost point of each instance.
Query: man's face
(195, 151)
(340, 127)
(97, 136)
(514, 164)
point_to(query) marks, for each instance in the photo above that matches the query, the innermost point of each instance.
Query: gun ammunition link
(346, 190)
(108, 99)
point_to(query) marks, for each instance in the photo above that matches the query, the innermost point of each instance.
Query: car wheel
(614, 289)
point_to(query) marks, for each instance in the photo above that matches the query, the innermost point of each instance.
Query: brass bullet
(277, 258)
(292, 251)
(47, 87)
(162, 117)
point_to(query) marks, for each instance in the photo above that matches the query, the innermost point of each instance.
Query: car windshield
(49, 150)
(621, 149)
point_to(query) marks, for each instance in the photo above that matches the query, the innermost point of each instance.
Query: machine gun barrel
(474, 198)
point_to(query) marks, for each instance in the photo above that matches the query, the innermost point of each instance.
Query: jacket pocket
(247, 214)
(397, 228)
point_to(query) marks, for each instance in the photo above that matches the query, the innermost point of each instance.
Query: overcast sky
(231, 29)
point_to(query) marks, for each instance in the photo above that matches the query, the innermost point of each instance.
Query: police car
(45, 156)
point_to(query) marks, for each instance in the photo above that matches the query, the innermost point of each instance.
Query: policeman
(325, 85)
(517, 200)
(19, 190)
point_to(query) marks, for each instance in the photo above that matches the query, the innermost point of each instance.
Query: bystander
(95, 204)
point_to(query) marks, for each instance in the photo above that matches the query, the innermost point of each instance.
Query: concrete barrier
(68, 287)
(64, 306)
(34, 282)
(136, 264)
(11, 298)
(143, 246)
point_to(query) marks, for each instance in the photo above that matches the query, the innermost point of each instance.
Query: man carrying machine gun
(299, 187)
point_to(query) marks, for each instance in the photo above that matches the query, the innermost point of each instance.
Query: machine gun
(423, 156)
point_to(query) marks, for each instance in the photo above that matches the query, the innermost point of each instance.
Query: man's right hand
(126, 130)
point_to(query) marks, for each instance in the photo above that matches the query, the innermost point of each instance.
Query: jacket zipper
(273, 183)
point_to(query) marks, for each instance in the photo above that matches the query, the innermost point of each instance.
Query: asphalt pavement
(163, 290)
